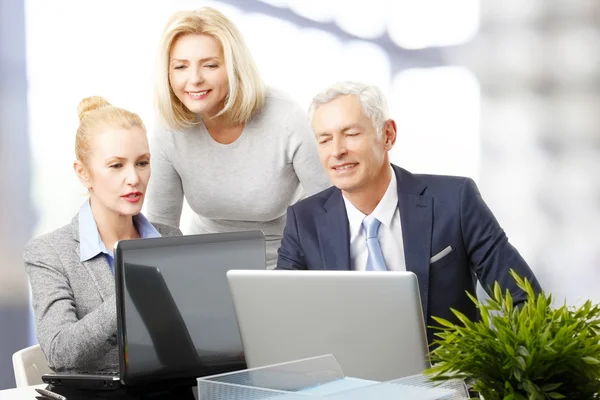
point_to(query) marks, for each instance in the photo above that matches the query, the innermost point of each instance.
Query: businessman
(378, 216)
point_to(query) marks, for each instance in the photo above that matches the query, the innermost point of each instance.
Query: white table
(29, 393)
(21, 393)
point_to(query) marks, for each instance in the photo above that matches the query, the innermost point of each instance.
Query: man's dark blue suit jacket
(435, 212)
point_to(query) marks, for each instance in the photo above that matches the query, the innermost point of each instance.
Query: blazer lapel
(334, 234)
(97, 267)
(416, 216)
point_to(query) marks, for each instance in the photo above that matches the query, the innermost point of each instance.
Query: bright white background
(107, 48)
(504, 91)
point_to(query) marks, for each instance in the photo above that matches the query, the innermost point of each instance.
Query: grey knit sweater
(245, 185)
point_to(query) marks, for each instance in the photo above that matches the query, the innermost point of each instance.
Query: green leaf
(521, 362)
(591, 360)
(508, 301)
(497, 293)
(529, 387)
(443, 322)
(463, 318)
(473, 299)
(522, 351)
(550, 387)
(533, 351)
(519, 396)
(518, 375)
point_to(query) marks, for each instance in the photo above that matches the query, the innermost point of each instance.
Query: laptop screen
(174, 310)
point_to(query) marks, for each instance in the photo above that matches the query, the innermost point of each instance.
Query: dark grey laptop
(175, 315)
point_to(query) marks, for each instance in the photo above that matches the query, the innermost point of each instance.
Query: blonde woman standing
(238, 152)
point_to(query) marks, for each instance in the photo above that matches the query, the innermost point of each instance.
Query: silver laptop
(372, 322)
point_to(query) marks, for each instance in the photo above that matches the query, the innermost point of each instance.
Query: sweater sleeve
(165, 190)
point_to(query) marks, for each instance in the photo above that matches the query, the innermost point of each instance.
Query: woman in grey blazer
(71, 269)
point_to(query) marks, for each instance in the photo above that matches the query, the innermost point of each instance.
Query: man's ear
(389, 133)
(83, 174)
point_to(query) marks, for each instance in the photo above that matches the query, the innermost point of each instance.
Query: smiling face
(118, 170)
(197, 74)
(353, 154)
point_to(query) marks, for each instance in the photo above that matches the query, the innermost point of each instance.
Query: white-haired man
(378, 216)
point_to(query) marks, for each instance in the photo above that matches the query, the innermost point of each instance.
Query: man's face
(350, 150)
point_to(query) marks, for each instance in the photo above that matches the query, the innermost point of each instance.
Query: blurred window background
(506, 92)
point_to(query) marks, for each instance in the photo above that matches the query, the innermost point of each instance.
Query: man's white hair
(371, 100)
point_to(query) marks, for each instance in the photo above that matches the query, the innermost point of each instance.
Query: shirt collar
(90, 243)
(388, 205)
(384, 211)
(144, 227)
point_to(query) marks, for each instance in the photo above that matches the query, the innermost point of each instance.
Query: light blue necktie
(375, 261)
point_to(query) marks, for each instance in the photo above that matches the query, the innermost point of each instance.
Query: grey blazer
(74, 301)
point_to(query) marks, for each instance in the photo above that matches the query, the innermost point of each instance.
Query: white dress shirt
(389, 234)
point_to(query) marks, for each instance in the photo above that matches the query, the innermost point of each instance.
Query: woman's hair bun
(90, 104)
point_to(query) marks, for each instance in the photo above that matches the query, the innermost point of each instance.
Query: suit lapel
(97, 267)
(334, 234)
(416, 216)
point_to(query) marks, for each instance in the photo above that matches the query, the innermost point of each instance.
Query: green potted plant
(529, 352)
